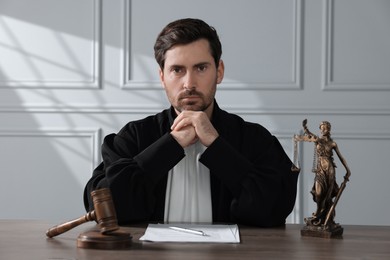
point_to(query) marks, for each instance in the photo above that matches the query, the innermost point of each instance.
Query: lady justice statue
(326, 192)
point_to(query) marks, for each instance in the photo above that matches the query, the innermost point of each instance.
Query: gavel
(104, 214)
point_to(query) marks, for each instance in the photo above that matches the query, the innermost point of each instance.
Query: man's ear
(220, 71)
(161, 75)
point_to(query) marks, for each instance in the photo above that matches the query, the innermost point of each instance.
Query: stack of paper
(192, 233)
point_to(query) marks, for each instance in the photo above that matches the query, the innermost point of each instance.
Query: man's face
(190, 77)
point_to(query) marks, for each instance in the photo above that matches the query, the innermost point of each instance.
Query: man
(194, 162)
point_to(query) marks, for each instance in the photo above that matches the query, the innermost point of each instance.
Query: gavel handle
(59, 229)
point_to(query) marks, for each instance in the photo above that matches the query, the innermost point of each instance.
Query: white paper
(214, 233)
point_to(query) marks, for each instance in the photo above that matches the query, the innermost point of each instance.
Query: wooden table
(26, 240)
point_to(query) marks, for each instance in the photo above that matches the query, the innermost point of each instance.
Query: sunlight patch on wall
(33, 55)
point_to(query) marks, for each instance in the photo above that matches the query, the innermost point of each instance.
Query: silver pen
(190, 231)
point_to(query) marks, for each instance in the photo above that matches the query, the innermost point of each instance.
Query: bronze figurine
(326, 192)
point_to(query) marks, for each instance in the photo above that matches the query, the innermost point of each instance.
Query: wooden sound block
(94, 239)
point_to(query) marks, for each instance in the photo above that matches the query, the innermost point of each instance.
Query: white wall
(73, 71)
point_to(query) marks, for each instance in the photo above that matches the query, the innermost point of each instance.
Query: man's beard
(191, 105)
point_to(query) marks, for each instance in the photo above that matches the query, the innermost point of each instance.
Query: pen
(190, 231)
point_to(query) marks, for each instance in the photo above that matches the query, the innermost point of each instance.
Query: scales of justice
(325, 191)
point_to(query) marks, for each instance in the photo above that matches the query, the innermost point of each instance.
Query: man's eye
(177, 70)
(202, 68)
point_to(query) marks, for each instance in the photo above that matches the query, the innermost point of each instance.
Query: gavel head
(105, 214)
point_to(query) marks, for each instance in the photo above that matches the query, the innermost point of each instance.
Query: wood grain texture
(358, 242)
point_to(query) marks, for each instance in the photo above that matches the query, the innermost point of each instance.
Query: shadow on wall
(45, 165)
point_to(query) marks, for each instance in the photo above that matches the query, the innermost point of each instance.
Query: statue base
(94, 239)
(330, 231)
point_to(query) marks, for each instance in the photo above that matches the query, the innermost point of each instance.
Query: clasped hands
(191, 126)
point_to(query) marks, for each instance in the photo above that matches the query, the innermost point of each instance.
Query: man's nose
(189, 81)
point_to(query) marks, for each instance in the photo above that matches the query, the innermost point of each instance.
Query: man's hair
(185, 31)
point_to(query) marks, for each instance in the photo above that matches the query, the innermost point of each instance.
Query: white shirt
(188, 194)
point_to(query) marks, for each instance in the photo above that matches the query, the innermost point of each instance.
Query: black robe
(250, 173)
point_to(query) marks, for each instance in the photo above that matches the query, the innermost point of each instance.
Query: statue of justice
(325, 191)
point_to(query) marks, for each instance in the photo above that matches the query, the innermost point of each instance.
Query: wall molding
(328, 83)
(297, 215)
(93, 134)
(96, 70)
(147, 109)
(297, 66)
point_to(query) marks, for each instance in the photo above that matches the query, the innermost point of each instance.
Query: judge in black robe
(250, 174)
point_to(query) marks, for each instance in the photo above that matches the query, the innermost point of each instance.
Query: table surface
(25, 239)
